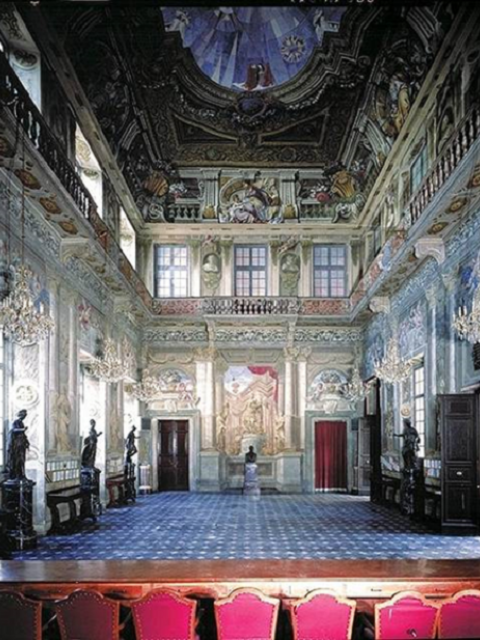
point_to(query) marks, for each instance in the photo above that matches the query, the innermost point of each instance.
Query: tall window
(2, 395)
(250, 270)
(329, 271)
(418, 170)
(419, 405)
(171, 271)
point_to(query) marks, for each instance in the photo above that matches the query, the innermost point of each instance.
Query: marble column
(306, 287)
(273, 288)
(431, 368)
(226, 284)
(290, 365)
(302, 398)
(450, 283)
(195, 269)
(206, 383)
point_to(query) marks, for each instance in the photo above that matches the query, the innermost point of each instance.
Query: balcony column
(306, 288)
(273, 287)
(450, 283)
(226, 285)
(195, 267)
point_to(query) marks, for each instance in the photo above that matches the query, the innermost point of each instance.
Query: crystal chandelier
(148, 388)
(109, 367)
(392, 368)
(20, 319)
(467, 325)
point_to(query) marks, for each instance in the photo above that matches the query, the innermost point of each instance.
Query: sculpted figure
(17, 448)
(130, 447)
(411, 441)
(250, 456)
(89, 452)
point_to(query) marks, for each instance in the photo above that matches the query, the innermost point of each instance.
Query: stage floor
(192, 526)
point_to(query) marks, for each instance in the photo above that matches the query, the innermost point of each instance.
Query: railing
(446, 163)
(251, 306)
(14, 96)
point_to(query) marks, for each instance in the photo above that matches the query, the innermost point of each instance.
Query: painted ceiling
(252, 48)
(320, 92)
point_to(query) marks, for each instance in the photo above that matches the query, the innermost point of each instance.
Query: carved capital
(430, 248)
(450, 280)
(207, 354)
(379, 304)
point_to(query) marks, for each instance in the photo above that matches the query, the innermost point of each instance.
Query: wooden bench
(64, 496)
(116, 487)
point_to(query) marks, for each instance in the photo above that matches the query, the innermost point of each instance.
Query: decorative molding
(379, 304)
(175, 335)
(347, 335)
(430, 248)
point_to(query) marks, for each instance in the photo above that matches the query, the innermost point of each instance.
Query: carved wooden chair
(87, 615)
(246, 614)
(407, 615)
(322, 615)
(164, 615)
(20, 618)
(459, 616)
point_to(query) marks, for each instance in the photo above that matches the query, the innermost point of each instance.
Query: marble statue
(17, 448)
(89, 452)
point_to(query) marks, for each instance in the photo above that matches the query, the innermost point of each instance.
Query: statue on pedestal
(89, 452)
(411, 468)
(17, 448)
(251, 484)
(130, 447)
(250, 456)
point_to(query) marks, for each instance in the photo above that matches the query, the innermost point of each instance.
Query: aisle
(219, 526)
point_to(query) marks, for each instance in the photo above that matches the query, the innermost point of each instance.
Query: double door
(173, 455)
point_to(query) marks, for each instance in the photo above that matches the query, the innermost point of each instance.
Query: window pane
(251, 270)
(172, 271)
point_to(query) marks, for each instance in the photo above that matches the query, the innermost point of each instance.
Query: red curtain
(331, 455)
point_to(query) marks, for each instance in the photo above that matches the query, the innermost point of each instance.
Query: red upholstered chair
(460, 616)
(246, 615)
(20, 618)
(407, 615)
(87, 615)
(164, 615)
(322, 615)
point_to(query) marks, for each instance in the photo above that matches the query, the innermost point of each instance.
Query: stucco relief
(250, 411)
(61, 415)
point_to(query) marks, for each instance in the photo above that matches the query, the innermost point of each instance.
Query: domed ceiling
(252, 48)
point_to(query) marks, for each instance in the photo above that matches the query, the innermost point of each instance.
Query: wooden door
(458, 433)
(173, 455)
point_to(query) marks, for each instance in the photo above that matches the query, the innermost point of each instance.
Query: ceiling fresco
(311, 100)
(252, 48)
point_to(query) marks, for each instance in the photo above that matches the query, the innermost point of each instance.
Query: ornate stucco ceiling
(321, 94)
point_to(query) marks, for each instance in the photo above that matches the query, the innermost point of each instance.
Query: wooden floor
(361, 579)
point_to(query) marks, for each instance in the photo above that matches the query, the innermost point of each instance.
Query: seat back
(407, 615)
(459, 616)
(163, 615)
(87, 615)
(322, 615)
(20, 618)
(246, 615)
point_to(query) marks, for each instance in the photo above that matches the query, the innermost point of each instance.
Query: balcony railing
(462, 141)
(15, 97)
(251, 306)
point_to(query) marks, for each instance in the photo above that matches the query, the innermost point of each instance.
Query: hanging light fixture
(392, 368)
(109, 367)
(148, 388)
(20, 319)
(467, 325)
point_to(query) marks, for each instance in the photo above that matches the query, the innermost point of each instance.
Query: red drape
(331, 455)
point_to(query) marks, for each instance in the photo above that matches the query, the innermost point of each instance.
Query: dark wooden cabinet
(458, 416)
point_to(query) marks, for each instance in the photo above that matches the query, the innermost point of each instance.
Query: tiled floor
(200, 526)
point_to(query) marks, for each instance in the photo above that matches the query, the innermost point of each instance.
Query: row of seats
(247, 614)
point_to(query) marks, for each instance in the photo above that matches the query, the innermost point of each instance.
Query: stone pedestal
(90, 506)
(251, 484)
(17, 500)
(129, 473)
(145, 482)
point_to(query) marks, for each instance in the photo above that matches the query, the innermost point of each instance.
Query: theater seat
(322, 615)
(87, 615)
(407, 615)
(163, 615)
(20, 618)
(246, 615)
(459, 616)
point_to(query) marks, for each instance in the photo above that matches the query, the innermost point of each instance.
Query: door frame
(311, 418)
(193, 418)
